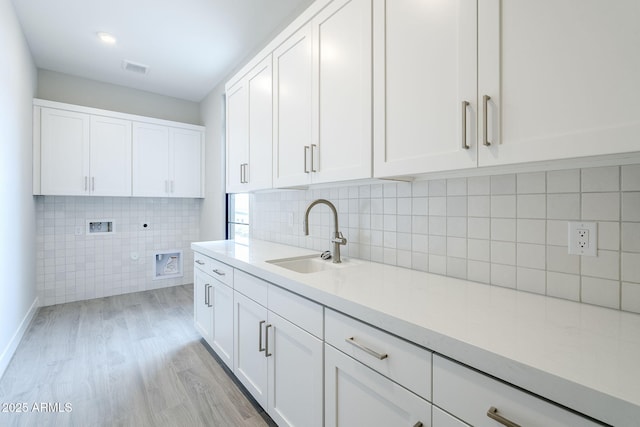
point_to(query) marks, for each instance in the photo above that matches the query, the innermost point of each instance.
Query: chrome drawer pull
(493, 414)
(218, 272)
(199, 262)
(465, 105)
(367, 350)
(260, 348)
(485, 120)
(266, 341)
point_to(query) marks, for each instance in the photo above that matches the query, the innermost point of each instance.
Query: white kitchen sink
(310, 263)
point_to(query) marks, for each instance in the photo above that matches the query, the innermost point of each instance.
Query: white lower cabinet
(480, 400)
(213, 306)
(295, 374)
(250, 363)
(278, 362)
(355, 395)
(202, 309)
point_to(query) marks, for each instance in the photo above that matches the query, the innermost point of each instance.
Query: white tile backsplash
(506, 230)
(601, 179)
(631, 178)
(72, 265)
(631, 206)
(601, 206)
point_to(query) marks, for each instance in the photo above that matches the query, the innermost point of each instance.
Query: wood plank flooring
(126, 360)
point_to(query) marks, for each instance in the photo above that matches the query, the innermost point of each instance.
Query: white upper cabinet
(562, 77)
(110, 154)
(83, 154)
(342, 91)
(425, 84)
(64, 148)
(292, 82)
(167, 161)
(322, 98)
(185, 163)
(82, 151)
(551, 80)
(249, 130)
(150, 160)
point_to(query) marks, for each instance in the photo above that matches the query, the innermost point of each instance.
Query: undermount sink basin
(309, 264)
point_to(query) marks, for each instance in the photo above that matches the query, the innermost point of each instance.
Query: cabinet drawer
(214, 268)
(469, 394)
(405, 363)
(300, 311)
(251, 286)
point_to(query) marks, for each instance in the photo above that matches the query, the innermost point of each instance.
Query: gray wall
(213, 218)
(90, 93)
(17, 211)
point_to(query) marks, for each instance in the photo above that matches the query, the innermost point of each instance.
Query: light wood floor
(127, 360)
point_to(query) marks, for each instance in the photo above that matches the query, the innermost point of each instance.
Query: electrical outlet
(583, 238)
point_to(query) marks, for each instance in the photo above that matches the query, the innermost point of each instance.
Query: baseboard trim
(8, 352)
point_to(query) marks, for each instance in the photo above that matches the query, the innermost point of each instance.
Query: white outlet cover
(578, 246)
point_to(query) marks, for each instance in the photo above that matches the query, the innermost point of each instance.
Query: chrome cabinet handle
(260, 348)
(86, 183)
(266, 341)
(246, 175)
(218, 272)
(172, 181)
(312, 162)
(380, 356)
(206, 294)
(465, 104)
(241, 173)
(199, 262)
(166, 186)
(93, 183)
(493, 414)
(306, 169)
(485, 120)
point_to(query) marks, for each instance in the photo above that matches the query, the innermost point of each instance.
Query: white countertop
(581, 356)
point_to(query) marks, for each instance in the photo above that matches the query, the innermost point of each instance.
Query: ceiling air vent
(134, 67)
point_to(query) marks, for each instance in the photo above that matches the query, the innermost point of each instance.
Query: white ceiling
(188, 45)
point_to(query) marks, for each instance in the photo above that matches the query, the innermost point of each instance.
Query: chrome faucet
(337, 239)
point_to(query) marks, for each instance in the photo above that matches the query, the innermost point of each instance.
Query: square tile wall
(74, 267)
(504, 230)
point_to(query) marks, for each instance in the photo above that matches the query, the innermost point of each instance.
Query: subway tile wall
(74, 267)
(503, 230)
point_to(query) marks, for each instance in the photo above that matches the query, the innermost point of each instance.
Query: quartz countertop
(584, 357)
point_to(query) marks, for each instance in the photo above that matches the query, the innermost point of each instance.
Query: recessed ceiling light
(106, 38)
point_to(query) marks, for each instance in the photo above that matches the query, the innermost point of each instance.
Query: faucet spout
(337, 239)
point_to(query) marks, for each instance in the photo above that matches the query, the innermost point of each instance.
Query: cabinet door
(562, 77)
(150, 160)
(442, 419)
(258, 174)
(342, 86)
(425, 68)
(185, 163)
(202, 307)
(357, 396)
(250, 363)
(237, 141)
(295, 374)
(110, 157)
(65, 152)
(292, 75)
(221, 298)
